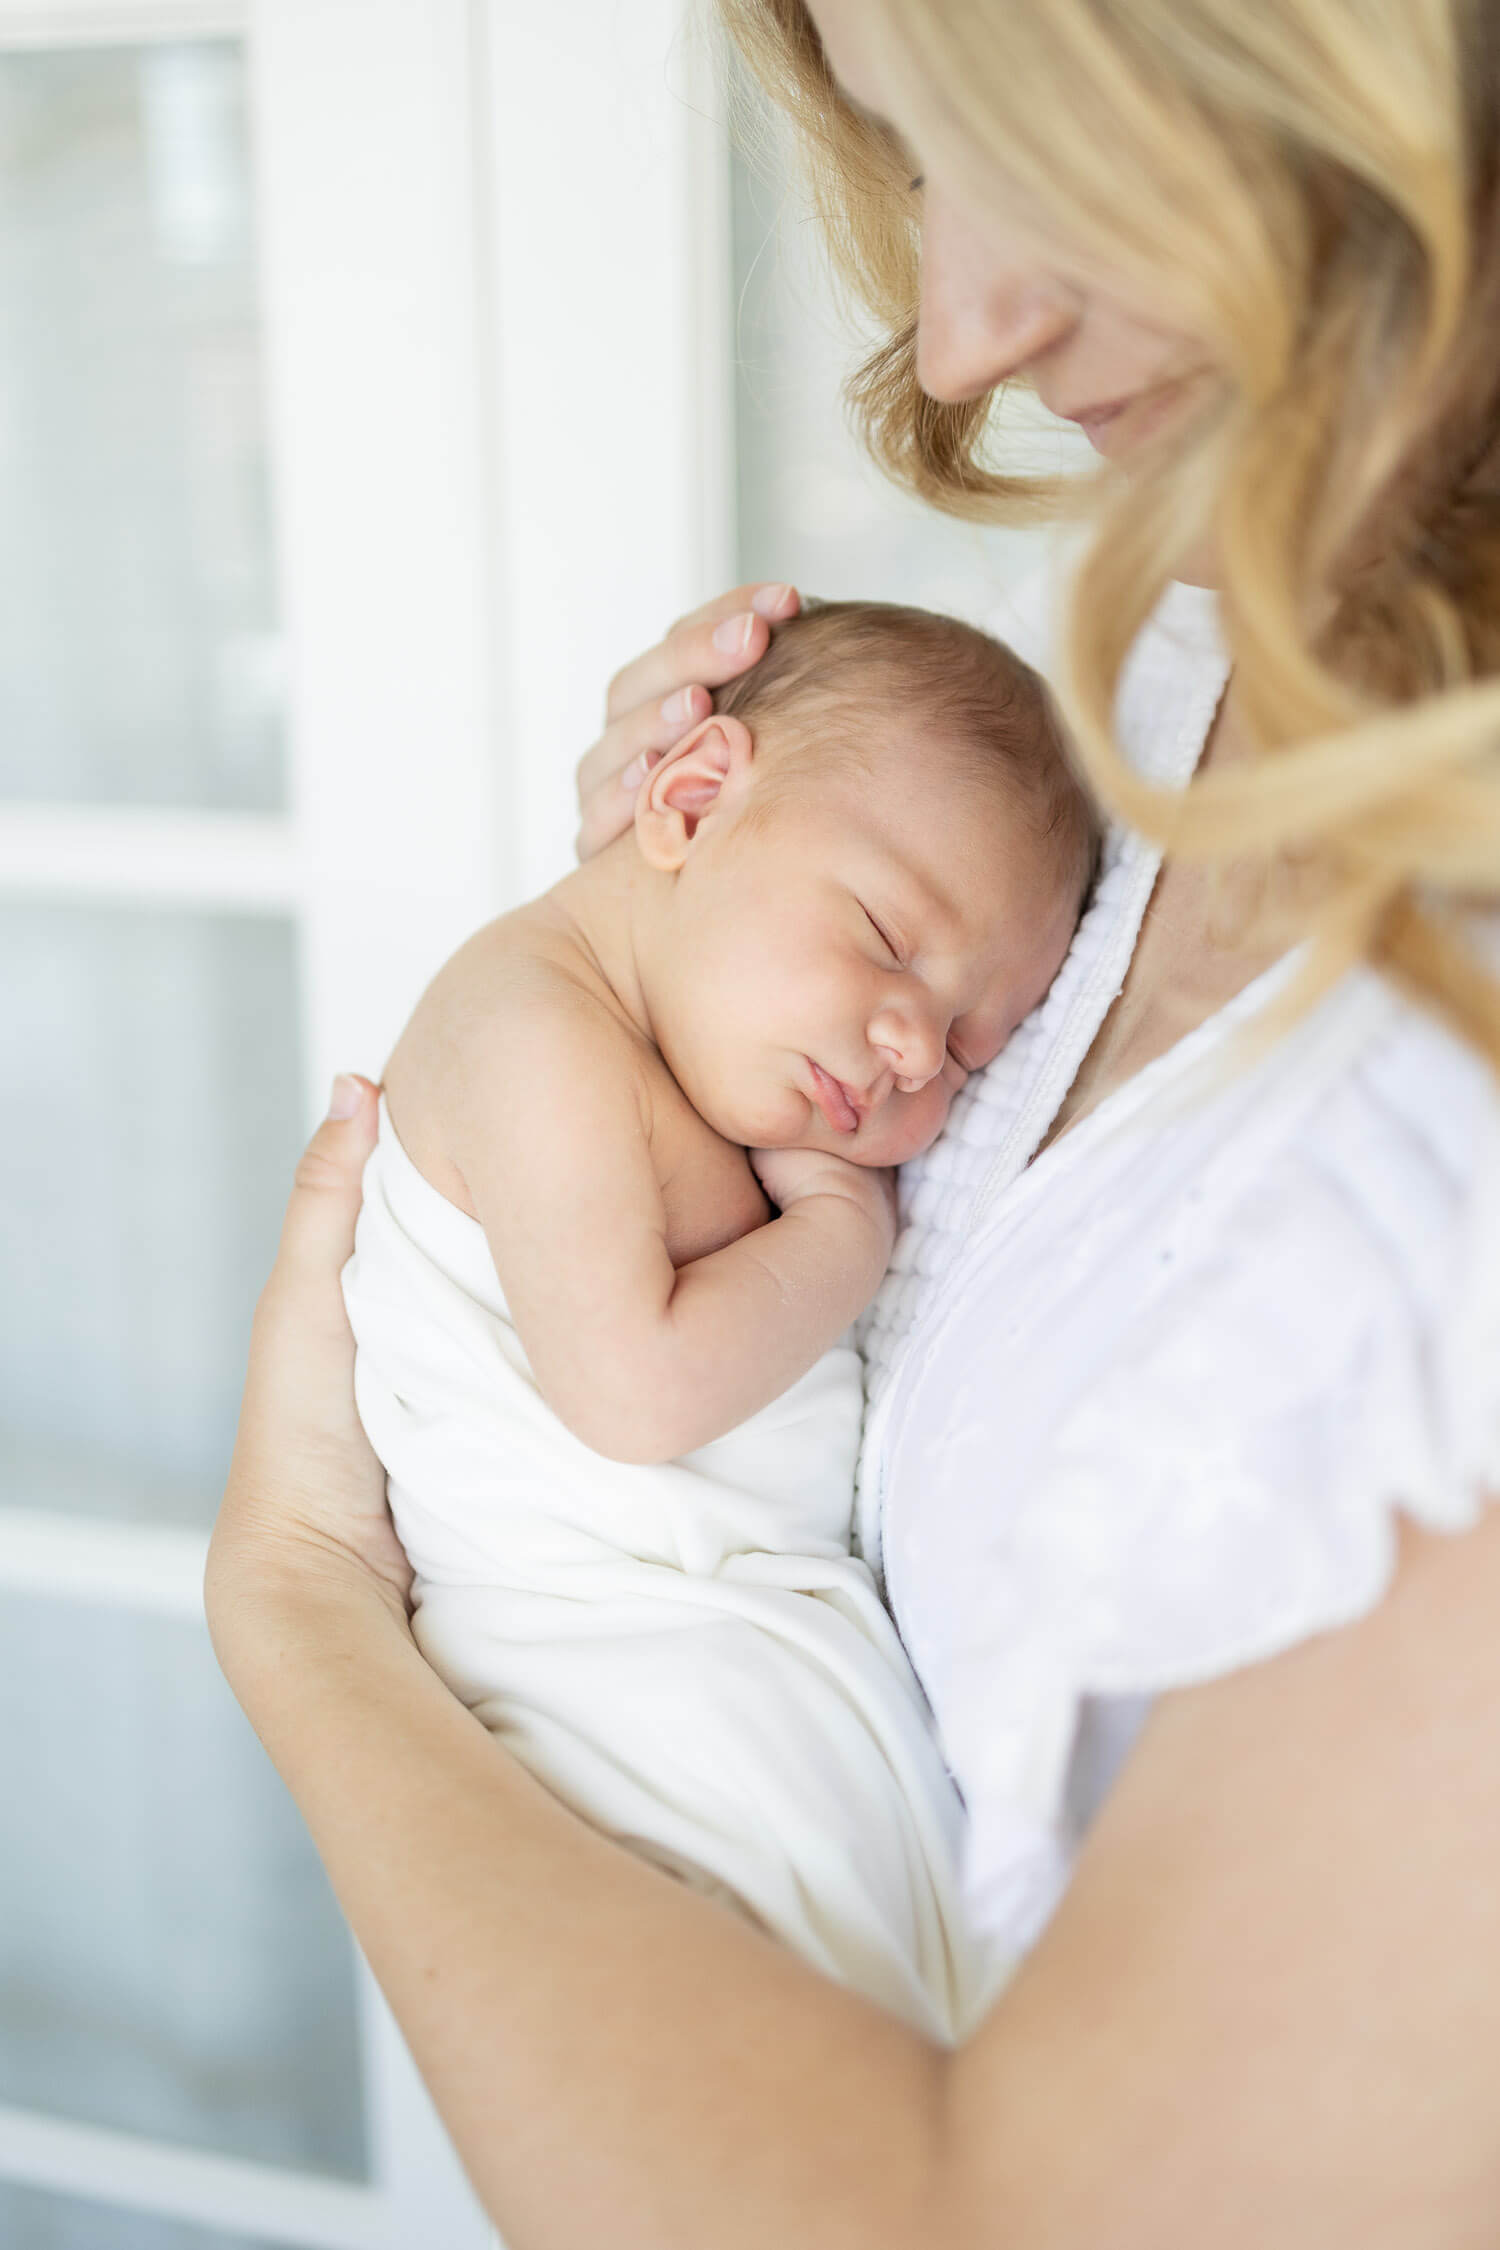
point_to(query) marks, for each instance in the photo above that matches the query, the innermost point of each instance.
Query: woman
(1187, 1409)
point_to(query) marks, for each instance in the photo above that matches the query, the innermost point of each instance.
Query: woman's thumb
(318, 1234)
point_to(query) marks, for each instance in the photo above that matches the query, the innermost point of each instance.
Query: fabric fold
(687, 1654)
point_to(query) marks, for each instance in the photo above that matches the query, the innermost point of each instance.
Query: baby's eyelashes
(884, 936)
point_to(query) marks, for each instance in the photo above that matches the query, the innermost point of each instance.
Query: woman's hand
(652, 703)
(306, 1495)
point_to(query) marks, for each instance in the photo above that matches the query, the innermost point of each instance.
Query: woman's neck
(1199, 944)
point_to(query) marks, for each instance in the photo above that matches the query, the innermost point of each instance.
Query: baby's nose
(914, 1046)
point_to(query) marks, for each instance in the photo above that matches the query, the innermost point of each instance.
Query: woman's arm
(1267, 2012)
(618, 2059)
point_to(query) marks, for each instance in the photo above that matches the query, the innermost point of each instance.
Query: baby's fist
(790, 1175)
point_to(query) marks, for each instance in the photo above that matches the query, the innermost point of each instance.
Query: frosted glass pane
(139, 656)
(150, 1118)
(812, 506)
(30, 2221)
(171, 1959)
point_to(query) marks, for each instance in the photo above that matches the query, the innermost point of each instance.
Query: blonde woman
(1186, 1387)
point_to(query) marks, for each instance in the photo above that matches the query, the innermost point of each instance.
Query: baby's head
(874, 854)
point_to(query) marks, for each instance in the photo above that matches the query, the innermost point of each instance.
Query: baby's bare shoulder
(508, 1026)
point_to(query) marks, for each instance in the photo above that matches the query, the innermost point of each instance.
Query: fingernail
(768, 601)
(680, 706)
(635, 773)
(733, 636)
(346, 1096)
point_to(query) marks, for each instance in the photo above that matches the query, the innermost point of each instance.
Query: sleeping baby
(632, 1186)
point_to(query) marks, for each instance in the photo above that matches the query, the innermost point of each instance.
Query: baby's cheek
(905, 1125)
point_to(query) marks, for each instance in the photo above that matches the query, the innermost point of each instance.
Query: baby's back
(465, 1025)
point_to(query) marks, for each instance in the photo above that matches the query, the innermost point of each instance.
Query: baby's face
(841, 963)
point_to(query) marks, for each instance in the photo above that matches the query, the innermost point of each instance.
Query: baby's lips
(832, 1098)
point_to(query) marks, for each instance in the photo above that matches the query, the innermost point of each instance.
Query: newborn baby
(631, 1189)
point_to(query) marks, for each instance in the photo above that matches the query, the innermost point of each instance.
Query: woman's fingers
(604, 814)
(708, 647)
(610, 777)
(317, 1235)
(301, 1378)
(304, 1479)
(654, 701)
(640, 737)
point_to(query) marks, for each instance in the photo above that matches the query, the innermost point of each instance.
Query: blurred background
(376, 376)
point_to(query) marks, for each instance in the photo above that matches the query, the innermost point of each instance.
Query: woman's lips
(1102, 420)
(837, 1103)
(1145, 409)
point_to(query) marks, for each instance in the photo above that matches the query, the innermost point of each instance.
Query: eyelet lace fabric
(1179, 1395)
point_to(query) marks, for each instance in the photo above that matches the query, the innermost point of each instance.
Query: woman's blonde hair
(1311, 188)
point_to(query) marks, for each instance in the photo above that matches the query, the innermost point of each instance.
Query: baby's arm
(643, 1361)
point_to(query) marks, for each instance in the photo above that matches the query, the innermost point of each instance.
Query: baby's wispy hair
(842, 678)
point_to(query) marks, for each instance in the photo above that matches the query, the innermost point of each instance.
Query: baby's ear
(707, 772)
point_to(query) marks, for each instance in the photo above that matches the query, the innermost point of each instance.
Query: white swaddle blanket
(688, 1655)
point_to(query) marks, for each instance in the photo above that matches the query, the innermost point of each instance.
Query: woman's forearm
(617, 2058)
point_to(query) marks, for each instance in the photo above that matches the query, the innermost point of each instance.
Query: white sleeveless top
(1141, 1412)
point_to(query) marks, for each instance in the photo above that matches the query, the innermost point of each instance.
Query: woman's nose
(913, 1044)
(985, 312)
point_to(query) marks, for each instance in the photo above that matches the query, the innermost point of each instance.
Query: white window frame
(495, 296)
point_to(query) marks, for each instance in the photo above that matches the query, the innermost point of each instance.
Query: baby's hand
(790, 1175)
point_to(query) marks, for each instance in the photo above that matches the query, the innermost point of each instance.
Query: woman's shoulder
(1278, 1311)
(1394, 1186)
(1410, 1131)
(1328, 1356)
